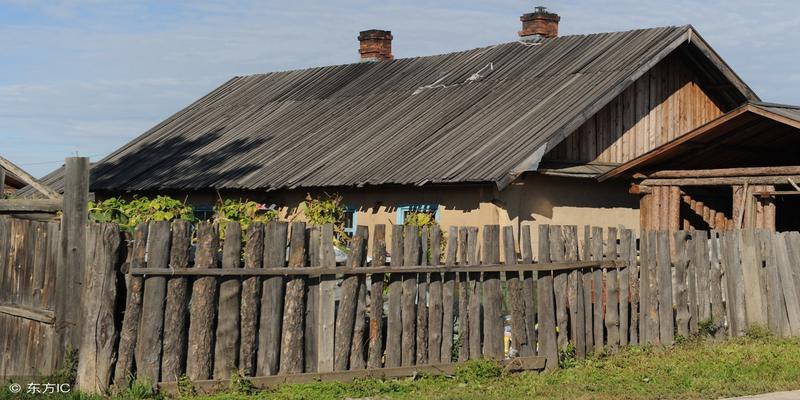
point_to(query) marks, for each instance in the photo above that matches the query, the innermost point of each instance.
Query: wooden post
(272, 289)
(69, 275)
(645, 212)
(99, 331)
(349, 348)
(2, 183)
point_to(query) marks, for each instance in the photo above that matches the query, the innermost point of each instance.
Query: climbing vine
(129, 213)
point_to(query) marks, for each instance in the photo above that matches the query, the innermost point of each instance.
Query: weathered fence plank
(448, 296)
(516, 299)
(625, 238)
(556, 238)
(133, 309)
(435, 312)
(666, 321)
(345, 318)
(411, 256)
(311, 322)
(292, 333)
(493, 300)
(790, 291)
(635, 291)
(680, 263)
(151, 328)
(734, 282)
(597, 283)
(96, 355)
(588, 313)
(202, 311)
(375, 357)
(394, 321)
(422, 301)
(327, 302)
(612, 293)
(358, 349)
(574, 292)
(176, 311)
(251, 293)
(751, 266)
(269, 329)
(548, 345)
(464, 289)
(226, 343)
(528, 287)
(718, 309)
(475, 295)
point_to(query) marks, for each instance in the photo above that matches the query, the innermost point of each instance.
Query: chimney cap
(539, 24)
(541, 13)
(374, 34)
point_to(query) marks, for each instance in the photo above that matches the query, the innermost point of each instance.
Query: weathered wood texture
(202, 313)
(226, 345)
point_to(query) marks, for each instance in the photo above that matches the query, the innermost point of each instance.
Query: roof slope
(753, 135)
(472, 116)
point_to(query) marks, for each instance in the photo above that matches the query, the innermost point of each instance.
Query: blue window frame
(350, 220)
(426, 208)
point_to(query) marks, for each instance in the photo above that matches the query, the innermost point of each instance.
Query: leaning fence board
(251, 293)
(133, 309)
(226, 343)
(493, 326)
(548, 346)
(96, 355)
(176, 308)
(448, 296)
(292, 332)
(151, 328)
(327, 302)
(375, 357)
(269, 329)
(394, 322)
(199, 360)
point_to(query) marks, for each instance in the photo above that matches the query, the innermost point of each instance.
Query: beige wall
(532, 200)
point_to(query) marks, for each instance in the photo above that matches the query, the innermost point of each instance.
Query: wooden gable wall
(664, 103)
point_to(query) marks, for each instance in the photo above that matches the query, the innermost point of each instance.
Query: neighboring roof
(55, 180)
(755, 134)
(591, 170)
(13, 180)
(482, 115)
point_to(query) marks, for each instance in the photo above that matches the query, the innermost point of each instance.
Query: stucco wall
(531, 200)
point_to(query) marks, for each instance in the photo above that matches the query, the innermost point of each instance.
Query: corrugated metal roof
(471, 116)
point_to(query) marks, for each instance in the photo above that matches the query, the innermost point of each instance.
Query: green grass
(693, 370)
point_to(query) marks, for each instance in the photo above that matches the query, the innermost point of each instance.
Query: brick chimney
(539, 24)
(375, 45)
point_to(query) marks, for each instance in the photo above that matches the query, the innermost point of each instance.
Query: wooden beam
(421, 269)
(2, 183)
(27, 178)
(262, 382)
(726, 172)
(721, 181)
(30, 205)
(44, 316)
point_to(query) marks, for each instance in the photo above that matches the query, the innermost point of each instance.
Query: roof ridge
(450, 53)
(774, 105)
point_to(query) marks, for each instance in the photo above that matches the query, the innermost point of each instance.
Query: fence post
(69, 273)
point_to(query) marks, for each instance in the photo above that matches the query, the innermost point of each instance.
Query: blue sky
(86, 76)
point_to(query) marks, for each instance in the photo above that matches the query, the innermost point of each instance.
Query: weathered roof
(54, 179)
(753, 135)
(482, 115)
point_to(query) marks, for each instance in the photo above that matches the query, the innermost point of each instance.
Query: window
(403, 211)
(350, 220)
(204, 212)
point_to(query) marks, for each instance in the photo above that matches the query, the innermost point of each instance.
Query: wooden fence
(172, 299)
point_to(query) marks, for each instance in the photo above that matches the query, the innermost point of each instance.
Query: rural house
(515, 133)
